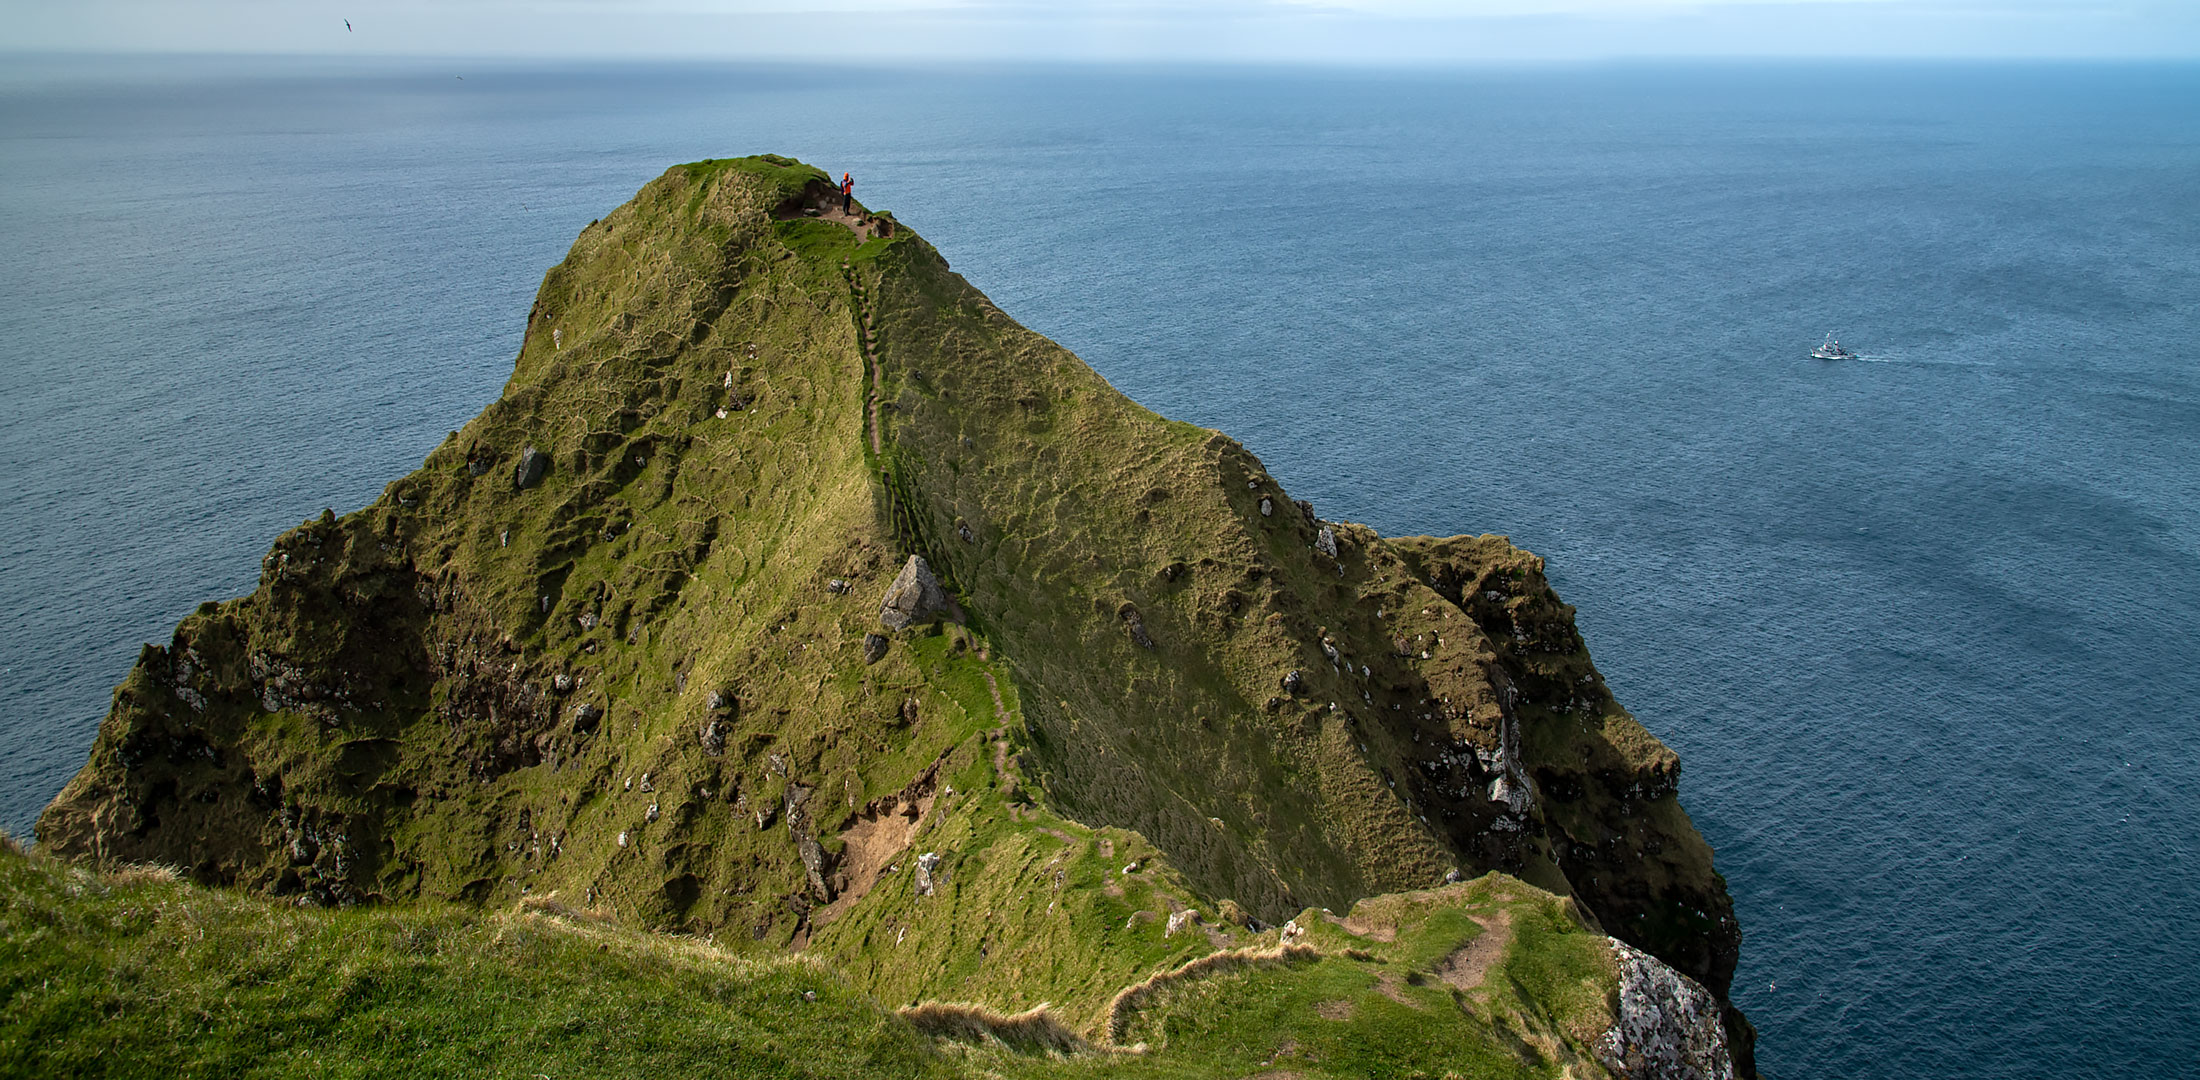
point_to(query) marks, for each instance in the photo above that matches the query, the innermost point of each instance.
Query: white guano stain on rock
(1668, 1026)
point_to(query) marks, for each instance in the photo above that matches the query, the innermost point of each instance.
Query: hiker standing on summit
(847, 193)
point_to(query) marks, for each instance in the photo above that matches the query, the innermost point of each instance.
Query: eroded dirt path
(1470, 963)
(1000, 735)
(859, 221)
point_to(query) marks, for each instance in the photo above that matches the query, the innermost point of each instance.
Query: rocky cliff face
(786, 559)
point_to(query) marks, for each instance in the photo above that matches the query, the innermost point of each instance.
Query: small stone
(837, 587)
(1267, 506)
(622, 837)
(1293, 682)
(1135, 624)
(1180, 920)
(585, 716)
(563, 681)
(1325, 541)
(874, 648)
(651, 814)
(927, 864)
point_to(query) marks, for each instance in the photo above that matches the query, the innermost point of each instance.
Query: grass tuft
(1033, 1031)
(1124, 1006)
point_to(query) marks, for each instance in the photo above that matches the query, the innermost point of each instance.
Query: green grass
(140, 974)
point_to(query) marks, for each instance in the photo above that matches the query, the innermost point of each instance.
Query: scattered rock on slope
(532, 464)
(914, 597)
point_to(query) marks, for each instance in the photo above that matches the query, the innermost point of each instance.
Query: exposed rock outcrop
(532, 465)
(914, 597)
(1669, 1027)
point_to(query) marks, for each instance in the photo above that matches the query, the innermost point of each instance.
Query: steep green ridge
(619, 640)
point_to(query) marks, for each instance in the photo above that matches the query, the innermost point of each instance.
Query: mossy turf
(138, 973)
(618, 641)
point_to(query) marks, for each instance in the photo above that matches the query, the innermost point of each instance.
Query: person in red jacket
(847, 193)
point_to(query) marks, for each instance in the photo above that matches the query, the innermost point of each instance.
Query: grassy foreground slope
(620, 640)
(137, 973)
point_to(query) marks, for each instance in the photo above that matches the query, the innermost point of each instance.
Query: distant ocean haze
(1921, 625)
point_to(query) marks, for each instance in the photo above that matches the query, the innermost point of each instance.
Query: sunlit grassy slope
(137, 973)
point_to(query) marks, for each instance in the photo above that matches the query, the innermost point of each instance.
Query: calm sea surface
(1925, 628)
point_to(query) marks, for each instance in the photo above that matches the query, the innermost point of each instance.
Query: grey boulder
(914, 597)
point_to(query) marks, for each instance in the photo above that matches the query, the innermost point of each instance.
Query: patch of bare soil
(859, 221)
(879, 834)
(1367, 928)
(1340, 1009)
(1470, 963)
(821, 201)
(1393, 987)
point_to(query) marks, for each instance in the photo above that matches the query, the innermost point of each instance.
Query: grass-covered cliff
(619, 644)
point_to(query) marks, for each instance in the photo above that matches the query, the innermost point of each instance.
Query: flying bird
(347, 26)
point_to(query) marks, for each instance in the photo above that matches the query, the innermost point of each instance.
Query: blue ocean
(1924, 625)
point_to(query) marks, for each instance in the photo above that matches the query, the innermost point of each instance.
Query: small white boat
(1832, 350)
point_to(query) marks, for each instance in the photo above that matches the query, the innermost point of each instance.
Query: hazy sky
(1346, 31)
